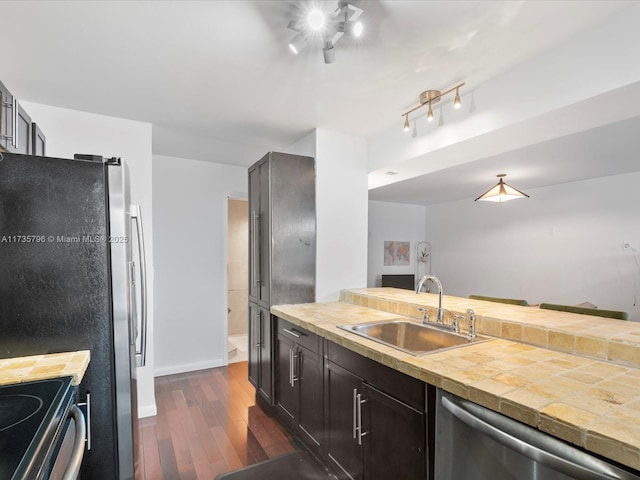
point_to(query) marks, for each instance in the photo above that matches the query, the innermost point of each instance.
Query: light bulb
(351, 28)
(430, 114)
(456, 101)
(407, 127)
(315, 19)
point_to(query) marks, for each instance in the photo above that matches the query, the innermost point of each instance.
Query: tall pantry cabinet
(282, 253)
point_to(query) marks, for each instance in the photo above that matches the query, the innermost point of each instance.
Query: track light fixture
(501, 192)
(429, 97)
(330, 27)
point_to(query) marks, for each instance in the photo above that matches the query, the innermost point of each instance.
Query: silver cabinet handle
(257, 334)
(291, 332)
(294, 370)
(72, 470)
(359, 403)
(355, 410)
(255, 262)
(471, 414)
(15, 122)
(291, 367)
(136, 216)
(13, 105)
(293, 359)
(256, 271)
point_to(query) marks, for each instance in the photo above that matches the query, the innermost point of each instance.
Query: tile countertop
(586, 401)
(603, 338)
(42, 367)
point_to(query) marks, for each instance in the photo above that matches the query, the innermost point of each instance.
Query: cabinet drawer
(299, 335)
(397, 384)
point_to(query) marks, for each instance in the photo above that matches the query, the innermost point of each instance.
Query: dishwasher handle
(461, 410)
(73, 469)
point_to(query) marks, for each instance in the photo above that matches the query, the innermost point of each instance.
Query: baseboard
(188, 367)
(147, 411)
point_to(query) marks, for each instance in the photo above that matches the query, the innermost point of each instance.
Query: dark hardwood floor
(207, 424)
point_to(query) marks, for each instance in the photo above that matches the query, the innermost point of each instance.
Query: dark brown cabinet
(23, 141)
(394, 446)
(299, 382)
(7, 118)
(18, 134)
(375, 419)
(282, 253)
(260, 343)
(38, 141)
(344, 453)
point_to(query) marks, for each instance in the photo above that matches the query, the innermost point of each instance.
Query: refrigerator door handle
(136, 217)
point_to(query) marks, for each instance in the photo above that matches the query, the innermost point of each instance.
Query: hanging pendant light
(430, 113)
(501, 192)
(406, 123)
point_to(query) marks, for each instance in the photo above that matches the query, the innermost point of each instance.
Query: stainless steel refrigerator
(282, 252)
(70, 280)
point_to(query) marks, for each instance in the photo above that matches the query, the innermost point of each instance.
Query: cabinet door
(6, 118)
(343, 452)
(310, 415)
(23, 133)
(286, 382)
(254, 344)
(254, 246)
(39, 141)
(395, 438)
(264, 233)
(265, 383)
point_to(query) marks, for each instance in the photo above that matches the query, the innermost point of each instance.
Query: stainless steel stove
(33, 417)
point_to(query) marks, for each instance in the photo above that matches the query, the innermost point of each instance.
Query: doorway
(237, 279)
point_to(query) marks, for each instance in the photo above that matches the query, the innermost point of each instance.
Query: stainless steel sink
(411, 337)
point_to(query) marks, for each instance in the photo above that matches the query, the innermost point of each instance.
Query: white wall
(341, 209)
(563, 245)
(190, 228)
(394, 222)
(69, 132)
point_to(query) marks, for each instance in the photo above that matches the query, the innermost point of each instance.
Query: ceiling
(216, 79)
(593, 153)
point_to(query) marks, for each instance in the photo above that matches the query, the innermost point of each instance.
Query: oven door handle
(478, 420)
(73, 469)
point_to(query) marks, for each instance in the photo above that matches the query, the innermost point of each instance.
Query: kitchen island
(575, 377)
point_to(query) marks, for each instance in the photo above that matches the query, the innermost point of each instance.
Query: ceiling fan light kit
(330, 27)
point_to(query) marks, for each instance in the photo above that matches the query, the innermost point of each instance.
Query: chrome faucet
(439, 285)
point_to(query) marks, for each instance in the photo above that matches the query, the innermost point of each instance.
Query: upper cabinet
(7, 117)
(38, 141)
(282, 230)
(18, 133)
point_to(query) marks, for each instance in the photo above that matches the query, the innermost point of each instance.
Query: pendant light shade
(501, 192)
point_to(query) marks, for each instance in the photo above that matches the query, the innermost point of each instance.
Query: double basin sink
(410, 337)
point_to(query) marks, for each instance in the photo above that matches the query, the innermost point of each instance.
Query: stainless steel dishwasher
(473, 442)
